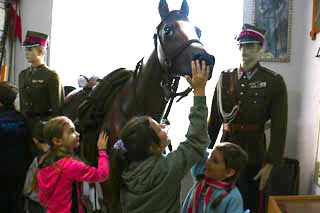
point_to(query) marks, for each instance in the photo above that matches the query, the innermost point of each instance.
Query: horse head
(177, 42)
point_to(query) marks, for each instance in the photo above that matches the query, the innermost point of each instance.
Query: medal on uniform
(257, 84)
(38, 81)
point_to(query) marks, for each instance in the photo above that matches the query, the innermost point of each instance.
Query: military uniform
(40, 89)
(261, 95)
(41, 93)
(243, 102)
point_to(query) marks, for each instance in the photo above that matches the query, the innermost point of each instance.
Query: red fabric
(15, 19)
(39, 40)
(262, 202)
(251, 34)
(194, 200)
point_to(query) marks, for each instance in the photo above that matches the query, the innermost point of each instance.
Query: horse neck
(150, 95)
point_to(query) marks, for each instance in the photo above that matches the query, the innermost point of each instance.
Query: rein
(170, 84)
(167, 83)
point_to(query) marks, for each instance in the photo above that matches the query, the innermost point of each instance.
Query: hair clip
(119, 145)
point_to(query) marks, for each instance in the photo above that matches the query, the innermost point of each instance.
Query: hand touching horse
(146, 92)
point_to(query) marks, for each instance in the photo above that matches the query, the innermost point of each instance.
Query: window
(97, 37)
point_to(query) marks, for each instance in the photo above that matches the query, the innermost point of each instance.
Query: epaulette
(273, 73)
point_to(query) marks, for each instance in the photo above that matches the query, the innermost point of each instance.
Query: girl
(60, 174)
(150, 180)
(214, 190)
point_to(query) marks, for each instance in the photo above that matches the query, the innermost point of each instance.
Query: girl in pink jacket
(60, 173)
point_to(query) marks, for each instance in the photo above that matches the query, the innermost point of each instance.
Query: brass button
(242, 85)
(241, 93)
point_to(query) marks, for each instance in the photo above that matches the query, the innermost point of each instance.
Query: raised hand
(199, 77)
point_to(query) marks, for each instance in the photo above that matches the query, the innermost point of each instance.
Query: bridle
(169, 81)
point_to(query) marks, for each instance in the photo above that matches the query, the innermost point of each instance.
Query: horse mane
(92, 109)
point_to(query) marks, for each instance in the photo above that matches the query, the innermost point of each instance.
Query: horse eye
(168, 30)
(198, 31)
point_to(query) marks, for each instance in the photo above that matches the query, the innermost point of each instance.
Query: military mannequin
(40, 89)
(245, 99)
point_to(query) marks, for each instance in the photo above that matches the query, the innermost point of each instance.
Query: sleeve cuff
(200, 100)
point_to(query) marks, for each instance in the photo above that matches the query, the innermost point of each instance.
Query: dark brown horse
(148, 90)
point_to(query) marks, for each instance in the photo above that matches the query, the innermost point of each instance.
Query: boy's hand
(199, 77)
(102, 141)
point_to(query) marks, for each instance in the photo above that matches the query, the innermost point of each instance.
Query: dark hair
(138, 136)
(8, 93)
(234, 158)
(38, 131)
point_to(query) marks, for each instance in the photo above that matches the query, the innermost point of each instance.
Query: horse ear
(163, 9)
(185, 7)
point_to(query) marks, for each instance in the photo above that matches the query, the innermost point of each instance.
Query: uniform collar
(37, 68)
(249, 73)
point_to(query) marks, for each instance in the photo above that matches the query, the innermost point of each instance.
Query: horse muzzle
(209, 59)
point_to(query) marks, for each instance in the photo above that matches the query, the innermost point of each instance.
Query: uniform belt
(243, 127)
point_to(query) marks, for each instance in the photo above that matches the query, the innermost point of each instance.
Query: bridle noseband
(169, 81)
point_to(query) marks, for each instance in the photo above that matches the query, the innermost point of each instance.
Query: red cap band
(251, 33)
(38, 40)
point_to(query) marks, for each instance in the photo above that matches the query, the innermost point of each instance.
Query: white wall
(301, 75)
(35, 16)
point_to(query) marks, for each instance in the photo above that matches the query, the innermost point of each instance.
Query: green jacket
(153, 185)
(262, 96)
(41, 92)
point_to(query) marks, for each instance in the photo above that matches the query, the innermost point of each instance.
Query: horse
(148, 90)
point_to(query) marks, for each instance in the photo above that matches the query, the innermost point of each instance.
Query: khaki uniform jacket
(41, 93)
(261, 95)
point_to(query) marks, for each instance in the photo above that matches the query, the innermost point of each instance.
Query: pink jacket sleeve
(79, 171)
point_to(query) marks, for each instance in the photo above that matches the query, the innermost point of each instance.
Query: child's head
(226, 162)
(142, 136)
(37, 137)
(60, 133)
(8, 93)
